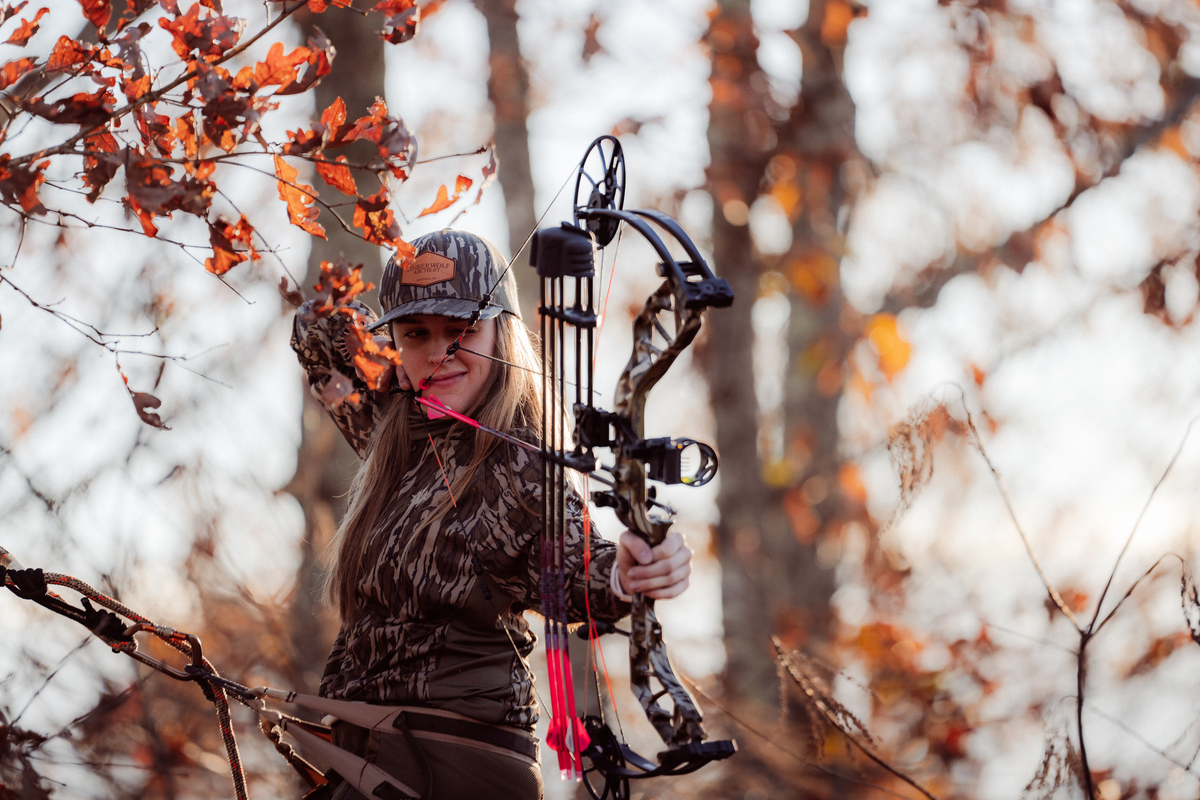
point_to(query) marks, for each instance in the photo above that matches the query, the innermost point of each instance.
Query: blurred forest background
(951, 401)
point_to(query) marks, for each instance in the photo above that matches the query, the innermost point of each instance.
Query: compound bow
(565, 258)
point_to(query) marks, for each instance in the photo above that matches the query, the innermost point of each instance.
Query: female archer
(437, 556)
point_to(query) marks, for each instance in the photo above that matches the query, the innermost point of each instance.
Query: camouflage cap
(449, 273)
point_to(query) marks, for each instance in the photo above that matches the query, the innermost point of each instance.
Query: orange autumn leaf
(201, 170)
(27, 29)
(134, 89)
(319, 6)
(372, 360)
(396, 143)
(838, 16)
(334, 117)
(223, 260)
(440, 202)
(8, 12)
(80, 108)
(404, 253)
(97, 12)
(373, 215)
(893, 351)
(11, 72)
(403, 17)
(320, 63)
(337, 175)
(67, 53)
(338, 284)
(209, 37)
(223, 236)
(444, 200)
(489, 174)
(185, 134)
(19, 184)
(300, 199)
(100, 164)
(277, 70)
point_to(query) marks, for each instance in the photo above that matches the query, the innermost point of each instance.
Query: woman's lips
(444, 380)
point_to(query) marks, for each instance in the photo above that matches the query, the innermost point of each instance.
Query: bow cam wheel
(600, 183)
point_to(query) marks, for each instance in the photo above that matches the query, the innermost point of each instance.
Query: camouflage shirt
(442, 624)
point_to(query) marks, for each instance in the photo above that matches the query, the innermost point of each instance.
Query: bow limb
(647, 364)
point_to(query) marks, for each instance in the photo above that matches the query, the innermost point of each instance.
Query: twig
(746, 726)
(62, 662)
(832, 720)
(1055, 597)
(98, 337)
(1027, 637)
(482, 149)
(1141, 516)
(1134, 585)
(1080, 686)
(68, 146)
(1114, 720)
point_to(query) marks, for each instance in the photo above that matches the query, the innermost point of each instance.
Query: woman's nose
(438, 352)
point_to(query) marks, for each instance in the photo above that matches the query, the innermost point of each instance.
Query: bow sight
(565, 259)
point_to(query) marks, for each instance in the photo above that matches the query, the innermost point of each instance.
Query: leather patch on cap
(428, 269)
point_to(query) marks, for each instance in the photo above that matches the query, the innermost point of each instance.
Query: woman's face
(422, 340)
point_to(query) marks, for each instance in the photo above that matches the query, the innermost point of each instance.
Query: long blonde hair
(511, 399)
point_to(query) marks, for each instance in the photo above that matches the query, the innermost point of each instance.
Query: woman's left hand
(658, 572)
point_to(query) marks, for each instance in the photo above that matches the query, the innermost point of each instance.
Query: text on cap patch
(428, 269)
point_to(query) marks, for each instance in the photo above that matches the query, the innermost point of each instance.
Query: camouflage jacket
(442, 625)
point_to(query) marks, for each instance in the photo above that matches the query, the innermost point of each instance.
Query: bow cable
(486, 300)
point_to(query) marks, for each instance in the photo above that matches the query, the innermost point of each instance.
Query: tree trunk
(818, 138)
(326, 464)
(776, 517)
(508, 90)
(357, 78)
(750, 520)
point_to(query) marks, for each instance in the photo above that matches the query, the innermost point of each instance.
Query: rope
(214, 692)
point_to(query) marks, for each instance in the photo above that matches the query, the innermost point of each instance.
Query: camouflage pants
(461, 769)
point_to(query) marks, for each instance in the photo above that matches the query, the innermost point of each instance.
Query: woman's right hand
(401, 376)
(402, 379)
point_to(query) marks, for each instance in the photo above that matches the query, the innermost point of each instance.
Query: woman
(438, 553)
